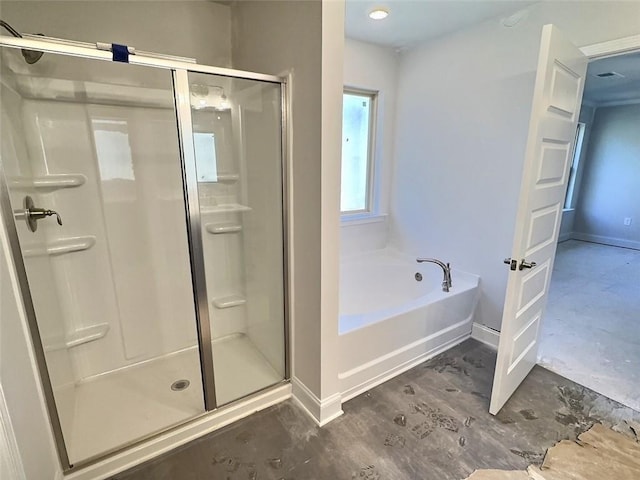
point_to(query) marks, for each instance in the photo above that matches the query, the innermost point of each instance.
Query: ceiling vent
(609, 75)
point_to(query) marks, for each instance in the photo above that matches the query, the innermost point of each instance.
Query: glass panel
(97, 142)
(237, 137)
(356, 121)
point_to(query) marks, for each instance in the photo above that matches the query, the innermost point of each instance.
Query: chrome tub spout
(446, 269)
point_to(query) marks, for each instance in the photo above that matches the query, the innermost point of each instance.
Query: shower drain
(179, 385)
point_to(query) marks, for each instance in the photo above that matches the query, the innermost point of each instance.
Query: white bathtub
(390, 322)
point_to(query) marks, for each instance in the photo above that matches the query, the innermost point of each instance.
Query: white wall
(373, 67)
(189, 28)
(463, 113)
(611, 185)
(331, 138)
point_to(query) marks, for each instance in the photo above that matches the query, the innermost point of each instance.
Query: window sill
(348, 220)
(568, 210)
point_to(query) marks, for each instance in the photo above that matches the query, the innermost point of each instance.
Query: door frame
(179, 68)
(610, 48)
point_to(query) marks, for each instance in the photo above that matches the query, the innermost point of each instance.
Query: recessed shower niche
(161, 295)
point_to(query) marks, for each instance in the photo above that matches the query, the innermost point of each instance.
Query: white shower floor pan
(114, 409)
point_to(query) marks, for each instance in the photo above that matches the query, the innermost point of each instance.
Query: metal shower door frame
(194, 233)
(179, 67)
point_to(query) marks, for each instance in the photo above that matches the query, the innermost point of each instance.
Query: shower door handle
(32, 214)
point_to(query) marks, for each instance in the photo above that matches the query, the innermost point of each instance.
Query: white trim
(614, 242)
(320, 411)
(564, 237)
(348, 220)
(10, 459)
(187, 433)
(371, 200)
(486, 335)
(396, 370)
(612, 47)
(330, 409)
(618, 103)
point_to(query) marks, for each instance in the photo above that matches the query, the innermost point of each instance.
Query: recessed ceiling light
(378, 14)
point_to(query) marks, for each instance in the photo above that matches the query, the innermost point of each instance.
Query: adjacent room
(319, 239)
(590, 333)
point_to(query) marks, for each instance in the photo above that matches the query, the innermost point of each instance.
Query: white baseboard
(321, 411)
(181, 435)
(614, 242)
(565, 236)
(486, 335)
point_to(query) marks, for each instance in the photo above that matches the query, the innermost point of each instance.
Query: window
(577, 149)
(358, 120)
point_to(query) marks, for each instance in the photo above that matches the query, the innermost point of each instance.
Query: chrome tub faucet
(446, 269)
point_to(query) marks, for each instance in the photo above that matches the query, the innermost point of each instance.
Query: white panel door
(556, 106)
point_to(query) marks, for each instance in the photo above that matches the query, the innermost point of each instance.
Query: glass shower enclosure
(144, 206)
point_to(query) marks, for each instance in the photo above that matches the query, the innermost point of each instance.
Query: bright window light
(357, 122)
(569, 199)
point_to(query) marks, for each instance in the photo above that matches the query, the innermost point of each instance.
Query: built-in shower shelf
(60, 247)
(72, 244)
(225, 208)
(49, 182)
(218, 228)
(228, 177)
(87, 334)
(229, 301)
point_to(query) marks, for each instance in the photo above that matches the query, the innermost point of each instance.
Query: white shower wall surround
(124, 254)
(123, 151)
(390, 322)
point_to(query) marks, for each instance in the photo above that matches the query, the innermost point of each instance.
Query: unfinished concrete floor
(591, 329)
(430, 423)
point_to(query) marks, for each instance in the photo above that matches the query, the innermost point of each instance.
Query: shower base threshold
(129, 404)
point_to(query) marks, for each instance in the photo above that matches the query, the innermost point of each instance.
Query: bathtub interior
(378, 285)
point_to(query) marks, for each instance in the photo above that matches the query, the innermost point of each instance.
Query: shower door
(94, 145)
(232, 129)
(143, 204)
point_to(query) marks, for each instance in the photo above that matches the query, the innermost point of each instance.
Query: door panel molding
(554, 113)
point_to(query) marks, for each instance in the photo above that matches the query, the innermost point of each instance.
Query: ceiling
(614, 89)
(412, 22)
